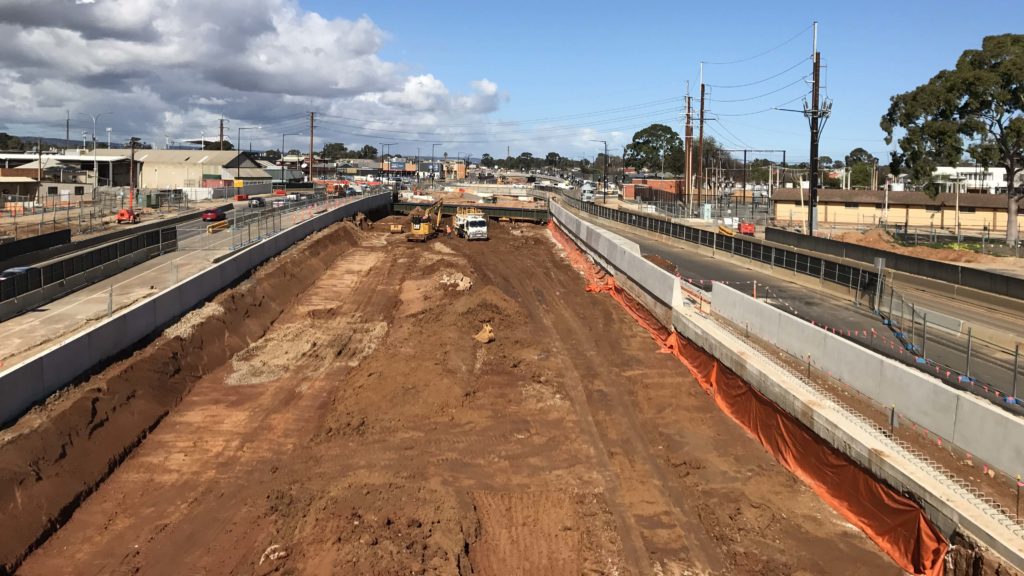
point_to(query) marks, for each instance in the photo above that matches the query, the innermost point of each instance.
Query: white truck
(471, 224)
(587, 192)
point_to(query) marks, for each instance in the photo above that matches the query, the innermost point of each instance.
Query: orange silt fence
(892, 521)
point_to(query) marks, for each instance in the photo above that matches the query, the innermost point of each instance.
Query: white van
(587, 192)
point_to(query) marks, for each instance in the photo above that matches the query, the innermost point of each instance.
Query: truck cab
(471, 224)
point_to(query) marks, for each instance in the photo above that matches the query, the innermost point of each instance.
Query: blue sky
(477, 76)
(555, 59)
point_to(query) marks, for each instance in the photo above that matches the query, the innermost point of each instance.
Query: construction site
(361, 404)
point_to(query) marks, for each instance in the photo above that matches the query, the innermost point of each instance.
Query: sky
(473, 77)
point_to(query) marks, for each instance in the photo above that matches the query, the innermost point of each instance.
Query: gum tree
(976, 108)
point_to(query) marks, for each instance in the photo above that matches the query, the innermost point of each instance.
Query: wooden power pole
(312, 116)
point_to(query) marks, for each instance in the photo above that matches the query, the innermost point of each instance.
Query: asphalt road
(830, 310)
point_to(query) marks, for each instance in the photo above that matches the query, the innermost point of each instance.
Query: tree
(825, 161)
(977, 108)
(294, 152)
(367, 152)
(8, 142)
(524, 161)
(861, 164)
(272, 155)
(334, 151)
(552, 159)
(487, 161)
(217, 145)
(651, 145)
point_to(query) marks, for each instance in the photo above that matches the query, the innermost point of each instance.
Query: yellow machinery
(424, 227)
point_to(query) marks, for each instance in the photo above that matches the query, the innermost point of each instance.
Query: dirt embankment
(57, 454)
(882, 240)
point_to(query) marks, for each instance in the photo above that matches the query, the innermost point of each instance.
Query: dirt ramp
(59, 453)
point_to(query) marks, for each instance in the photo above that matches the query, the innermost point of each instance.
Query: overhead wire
(579, 115)
(766, 52)
(759, 96)
(799, 63)
(771, 109)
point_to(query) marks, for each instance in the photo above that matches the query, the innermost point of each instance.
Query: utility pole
(814, 116)
(689, 144)
(221, 135)
(700, 137)
(67, 131)
(312, 116)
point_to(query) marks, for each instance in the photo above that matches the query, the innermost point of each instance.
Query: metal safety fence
(856, 279)
(65, 268)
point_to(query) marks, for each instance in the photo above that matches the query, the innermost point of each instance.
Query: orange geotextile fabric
(894, 522)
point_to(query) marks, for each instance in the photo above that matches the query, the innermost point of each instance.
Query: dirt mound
(882, 240)
(52, 459)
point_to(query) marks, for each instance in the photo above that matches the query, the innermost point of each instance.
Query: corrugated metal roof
(16, 180)
(895, 198)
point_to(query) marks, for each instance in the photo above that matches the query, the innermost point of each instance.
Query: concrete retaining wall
(623, 255)
(973, 424)
(34, 380)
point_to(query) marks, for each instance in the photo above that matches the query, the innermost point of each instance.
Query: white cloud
(176, 66)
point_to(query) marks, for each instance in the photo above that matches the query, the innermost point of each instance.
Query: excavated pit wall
(58, 453)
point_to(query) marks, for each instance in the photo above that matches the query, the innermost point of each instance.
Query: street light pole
(604, 180)
(433, 161)
(95, 164)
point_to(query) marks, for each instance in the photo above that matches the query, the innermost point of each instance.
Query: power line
(799, 63)
(722, 126)
(759, 96)
(773, 108)
(766, 52)
(649, 104)
(497, 133)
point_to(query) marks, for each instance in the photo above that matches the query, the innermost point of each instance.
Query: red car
(213, 216)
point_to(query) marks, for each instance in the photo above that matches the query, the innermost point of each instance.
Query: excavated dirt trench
(56, 455)
(334, 414)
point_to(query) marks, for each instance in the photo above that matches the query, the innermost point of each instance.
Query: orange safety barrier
(892, 521)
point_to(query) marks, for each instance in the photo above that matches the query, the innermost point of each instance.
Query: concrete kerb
(944, 502)
(27, 383)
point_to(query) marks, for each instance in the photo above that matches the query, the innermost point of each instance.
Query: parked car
(213, 215)
(257, 203)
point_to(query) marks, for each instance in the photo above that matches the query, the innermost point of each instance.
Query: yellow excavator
(425, 226)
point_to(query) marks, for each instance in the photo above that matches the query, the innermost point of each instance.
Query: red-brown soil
(337, 417)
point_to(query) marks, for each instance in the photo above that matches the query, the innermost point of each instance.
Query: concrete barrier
(623, 255)
(32, 381)
(973, 424)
